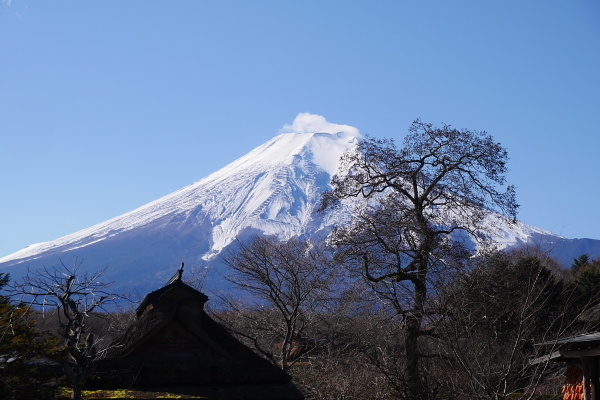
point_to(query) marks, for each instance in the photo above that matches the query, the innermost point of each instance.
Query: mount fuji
(273, 190)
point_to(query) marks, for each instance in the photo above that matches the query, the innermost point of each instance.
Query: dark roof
(572, 347)
(174, 342)
(177, 276)
(175, 283)
(586, 338)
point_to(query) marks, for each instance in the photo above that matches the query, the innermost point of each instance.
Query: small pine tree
(580, 262)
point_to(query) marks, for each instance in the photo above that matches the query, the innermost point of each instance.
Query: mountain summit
(272, 190)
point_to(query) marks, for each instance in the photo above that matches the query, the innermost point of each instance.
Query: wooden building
(173, 345)
(582, 355)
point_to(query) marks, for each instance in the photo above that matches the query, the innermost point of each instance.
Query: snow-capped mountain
(272, 190)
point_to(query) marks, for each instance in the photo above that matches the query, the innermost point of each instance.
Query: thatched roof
(175, 284)
(174, 342)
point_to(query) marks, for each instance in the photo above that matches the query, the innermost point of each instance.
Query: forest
(484, 329)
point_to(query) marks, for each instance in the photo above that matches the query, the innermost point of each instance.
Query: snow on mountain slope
(272, 190)
(506, 235)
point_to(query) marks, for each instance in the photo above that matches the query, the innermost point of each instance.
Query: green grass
(65, 393)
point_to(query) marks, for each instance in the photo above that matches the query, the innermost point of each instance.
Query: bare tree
(74, 295)
(493, 316)
(197, 277)
(290, 283)
(420, 206)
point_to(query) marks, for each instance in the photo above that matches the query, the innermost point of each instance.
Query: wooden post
(585, 361)
(594, 378)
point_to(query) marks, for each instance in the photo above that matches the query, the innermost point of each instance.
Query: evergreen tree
(24, 349)
(580, 262)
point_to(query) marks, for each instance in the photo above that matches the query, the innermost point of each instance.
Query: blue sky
(106, 106)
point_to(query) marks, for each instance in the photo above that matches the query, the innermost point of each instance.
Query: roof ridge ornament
(177, 276)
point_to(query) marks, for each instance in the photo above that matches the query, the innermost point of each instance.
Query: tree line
(481, 330)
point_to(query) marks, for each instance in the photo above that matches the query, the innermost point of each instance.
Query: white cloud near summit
(313, 123)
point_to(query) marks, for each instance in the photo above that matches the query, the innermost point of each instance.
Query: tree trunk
(76, 374)
(77, 392)
(416, 385)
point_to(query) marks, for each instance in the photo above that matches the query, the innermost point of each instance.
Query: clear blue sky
(106, 106)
